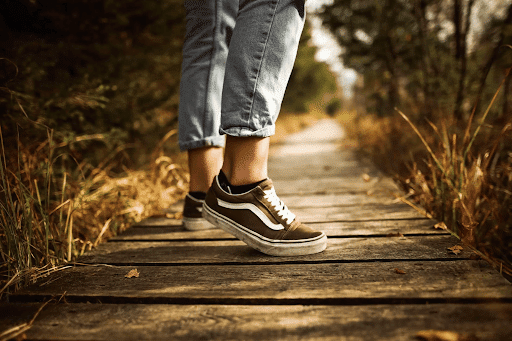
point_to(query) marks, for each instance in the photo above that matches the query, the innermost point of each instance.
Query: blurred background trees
(310, 80)
(431, 58)
(97, 68)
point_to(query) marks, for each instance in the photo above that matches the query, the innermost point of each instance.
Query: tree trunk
(457, 16)
(390, 56)
(462, 61)
(494, 56)
(420, 11)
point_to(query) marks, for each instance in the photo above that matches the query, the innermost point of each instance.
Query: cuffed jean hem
(216, 141)
(246, 132)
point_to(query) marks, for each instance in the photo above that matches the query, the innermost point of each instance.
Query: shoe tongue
(266, 185)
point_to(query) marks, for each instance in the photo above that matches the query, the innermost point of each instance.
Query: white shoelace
(279, 206)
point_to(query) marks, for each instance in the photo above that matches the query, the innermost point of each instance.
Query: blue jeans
(237, 59)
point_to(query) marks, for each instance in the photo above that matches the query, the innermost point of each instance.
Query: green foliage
(309, 80)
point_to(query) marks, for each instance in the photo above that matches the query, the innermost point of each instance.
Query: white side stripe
(253, 209)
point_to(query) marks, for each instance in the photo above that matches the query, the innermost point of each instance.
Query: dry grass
(459, 175)
(52, 212)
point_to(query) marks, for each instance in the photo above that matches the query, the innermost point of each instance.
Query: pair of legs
(237, 59)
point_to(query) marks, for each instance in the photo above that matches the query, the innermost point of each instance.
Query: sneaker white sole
(196, 224)
(262, 244)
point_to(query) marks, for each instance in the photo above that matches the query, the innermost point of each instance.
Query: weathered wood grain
(350, 283)
(234, 251)
(334, 229)
(356, 213)
(318, 166)
(241, 322)
(322, 165)
(315, 172)
(324, 185)
(321, 213)
(338, 200)
(340, 159)
(159, 221)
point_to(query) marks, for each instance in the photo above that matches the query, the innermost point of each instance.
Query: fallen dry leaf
(444, 335)
(132, 273)
(440, 226)
(399, 271)
(366, 177)
(395, 234)
(456, 249)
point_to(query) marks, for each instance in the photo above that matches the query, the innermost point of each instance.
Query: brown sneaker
(192, 215)
(261, 220)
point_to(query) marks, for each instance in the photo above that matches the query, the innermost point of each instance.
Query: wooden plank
(338, 200)
(317, 159)
(236, 252)
(331, 164)
(324, 200)
(319, 213)
(315, 172)
(242, 322)
(345, 229)
(159, 221)
(356, 213)
(354, 184)
(350, 283)
(314, 166)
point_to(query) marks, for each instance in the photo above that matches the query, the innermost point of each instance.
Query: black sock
(228, 187)
(197, 195)
(244, 188)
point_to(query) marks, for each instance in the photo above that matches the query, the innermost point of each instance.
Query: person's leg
(209, 26)
(261, 58)
(245, 159)
(243, 201)
(203, 163)
(205, 51)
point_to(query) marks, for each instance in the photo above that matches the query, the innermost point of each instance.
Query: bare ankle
(245, 159)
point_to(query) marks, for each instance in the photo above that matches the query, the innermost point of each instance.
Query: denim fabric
(234, 76)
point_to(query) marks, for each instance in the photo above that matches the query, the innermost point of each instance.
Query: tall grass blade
(482, 120)
(438, 164)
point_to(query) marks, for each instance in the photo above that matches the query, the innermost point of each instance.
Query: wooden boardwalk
(386, 273)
